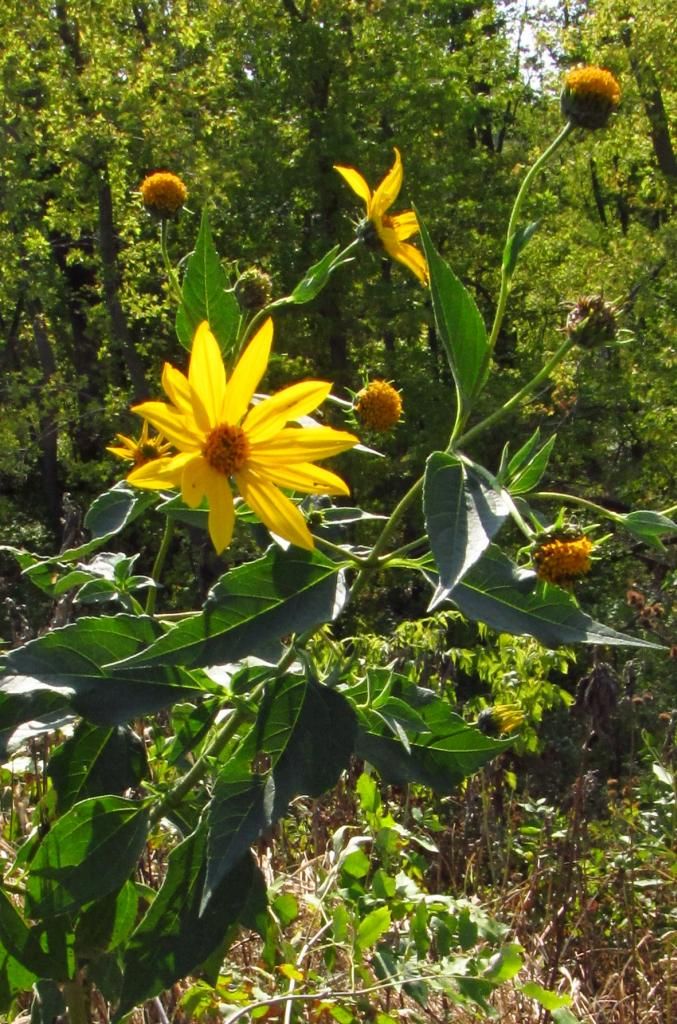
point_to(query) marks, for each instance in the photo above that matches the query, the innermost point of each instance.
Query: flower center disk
(226, 448)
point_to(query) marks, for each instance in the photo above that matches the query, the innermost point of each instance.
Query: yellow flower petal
(388, 191)
(194, 480)
(301, 444)
(159, 473)
(356, 182)
(181, 430)
(269, 416)
(122, 453)
(221, 518)
(245, 378)
(403, 224)
(304, 477)
(274, 509)
(207, 377)
(177, 388)
(404, 253)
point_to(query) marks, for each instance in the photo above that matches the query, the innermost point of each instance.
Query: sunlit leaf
(205, 295)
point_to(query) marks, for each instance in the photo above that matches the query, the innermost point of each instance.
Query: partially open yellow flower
(163, 193)
(590, 96)
(499, 719)
(378, 405)
(563, 560)
(392, 229)
(219, 438)
(145, 449)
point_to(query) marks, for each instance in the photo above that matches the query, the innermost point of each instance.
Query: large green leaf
(440, 750)
(96, 761)
(462, 514)
(459, 324)
(512, 600)
(250, 608)
(90, 851)
(108, 922)
(173, 939)
(205, 295)
(302, 739)
(63, 673)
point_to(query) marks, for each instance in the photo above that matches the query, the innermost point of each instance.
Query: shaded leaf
(96, 761)
(648, 526)
(63, 672)
(250, 608)
(88, 852)
(303, 735)
(462, 514)
(529, 475)
(172, 940)
(512, 600)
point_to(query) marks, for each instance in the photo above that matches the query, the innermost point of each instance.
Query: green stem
(159, 563)
(512, 228)
(508, 406)
(572, 499)
(74, 995)
(336, 549)
(171, 272)
(262, 314)
(372, 561)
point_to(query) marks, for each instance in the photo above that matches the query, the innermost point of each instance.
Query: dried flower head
(254, 289)
(590, 96)
(591, 321)
(163, 193)
(378, 406)
(501, 718)
(562, 559)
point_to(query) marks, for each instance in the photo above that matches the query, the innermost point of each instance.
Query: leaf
(172, 940)
(515, 244)
(21, 944)
(250, 608)
(305, 733)
(459, 324)
(108, 514)
(62, 673)
(545, 997)
(441, 754)
(462, 514)
(90, 851)
(96, 761)
(205, 295)
(372, 927)
(648, 526)
(107, 923)
(529, 475)
(511, 600)
(505, 964)
(313, 280)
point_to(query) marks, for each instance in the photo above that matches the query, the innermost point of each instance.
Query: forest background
(252, 105)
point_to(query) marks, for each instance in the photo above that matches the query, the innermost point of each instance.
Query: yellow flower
(501, 718)
(562, 560)
(219, 438)
(145, 449)
(163, 193)
(590, 96)
(378, 405)
(392, 229)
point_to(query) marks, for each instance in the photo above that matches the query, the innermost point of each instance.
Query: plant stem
(508, 406)
(572, 499)
(159, 563)
(74, 995)
(171, 272)
(384, 536)
(512, 228)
